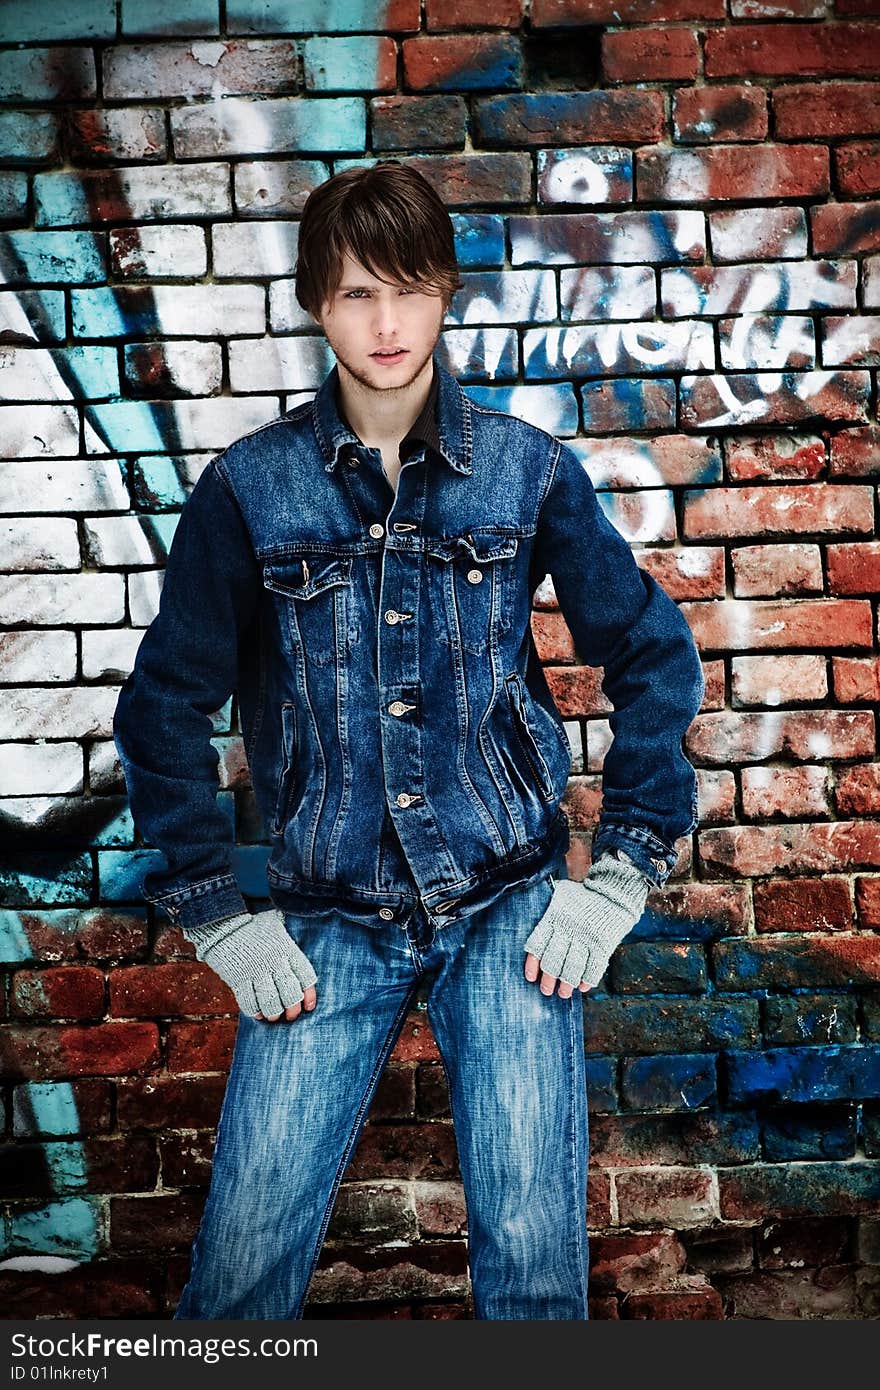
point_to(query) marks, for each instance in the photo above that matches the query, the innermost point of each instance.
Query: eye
(354, 294)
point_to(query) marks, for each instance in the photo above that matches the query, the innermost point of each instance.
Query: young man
(361, 572)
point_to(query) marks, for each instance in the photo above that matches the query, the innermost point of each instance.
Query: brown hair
(386, 216)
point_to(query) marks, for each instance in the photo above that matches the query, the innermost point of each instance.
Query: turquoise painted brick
(42, 21)
(45, 876)
(60, 1228)
(27, 137)
(144, 17)
(13, 197)
(239, 126)
(117, 830)
(40, 311)
(121, 873)
(159, 482)
(349, 64)
(40, 258)
(44, 1107)
(318, 16)
(92, 371)
(479, 239)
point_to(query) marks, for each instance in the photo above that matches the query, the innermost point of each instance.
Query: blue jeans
(298, 1094)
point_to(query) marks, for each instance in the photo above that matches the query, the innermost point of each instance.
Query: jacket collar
(454, 439)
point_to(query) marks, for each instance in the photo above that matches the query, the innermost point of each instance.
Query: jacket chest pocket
(314, 594)
(470, 584)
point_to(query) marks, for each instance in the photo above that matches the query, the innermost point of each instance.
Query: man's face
(367, 316)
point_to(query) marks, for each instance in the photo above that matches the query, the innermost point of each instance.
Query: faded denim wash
(298, 1096)
(403, 744)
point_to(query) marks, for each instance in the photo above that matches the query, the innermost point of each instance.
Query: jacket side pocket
(286, 776)
(527, 740)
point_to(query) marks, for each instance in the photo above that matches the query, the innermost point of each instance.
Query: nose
(385, 318)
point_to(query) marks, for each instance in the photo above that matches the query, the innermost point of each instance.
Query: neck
(383, 417)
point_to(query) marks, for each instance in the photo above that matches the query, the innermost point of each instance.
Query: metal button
(352, 461)
(659, 865)
(397, 707)
(404, 799)
(392, 617)
(386, 914)
(475, 576)
(377, 530)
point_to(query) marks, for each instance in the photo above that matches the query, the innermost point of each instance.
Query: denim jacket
(402, 741)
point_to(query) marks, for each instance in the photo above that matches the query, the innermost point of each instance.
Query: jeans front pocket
(315, 591)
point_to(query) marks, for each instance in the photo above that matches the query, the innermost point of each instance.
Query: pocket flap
(482, 546)
(303, 577)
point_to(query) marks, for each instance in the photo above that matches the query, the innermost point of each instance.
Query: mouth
(389, 357)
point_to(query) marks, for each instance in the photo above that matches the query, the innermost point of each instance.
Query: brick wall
(668, 219)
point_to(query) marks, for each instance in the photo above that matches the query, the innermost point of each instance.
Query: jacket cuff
(653, 856)
(198, 904)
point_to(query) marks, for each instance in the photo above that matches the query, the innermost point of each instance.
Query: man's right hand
(264, 967)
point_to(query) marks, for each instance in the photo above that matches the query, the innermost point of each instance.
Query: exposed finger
(531, 967)
(310, 998)
(565, 989)
(583, 986)
(292, 1011)
(548, 983)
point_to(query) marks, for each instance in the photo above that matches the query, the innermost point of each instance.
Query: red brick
(791, 1294)
(857, 168)
(603, 1309)
(707, 401)
(168, 990)
(529, 120)
(68, 991)
(575, 689)
(411, 123)
(700, 1303)
(424, 1151)
(790, 792)
(684, 1138)
(724, 905)
(854, 569)
(740, 624)
(599, 1210)
(807, 1241)
(808, 961)
(115, 1164)
(856, 679)
(803, 905)
(777, 680)
(169, 1102)
(789, 50)
(774, 457)
(716, 796)
(858, 790)
(776, 570)
(799, 1189)
(165, 1222)
(868, 902)
(751, 851)
(240, 66)
(439, 1207)
(186, 1159)
(845, 228)
(461, 14)
(430, 62)
(701, 115)
(855, 453)
(355, 1272)
(714, 696)
(564, 12)
(672, 459)
(78, 934)
(665, 1197)
(95, 1289)
(846, 108)
(696, 571)
(726, 172)
(461, 180)
(627, 1262)
(198, 1047)
(784, 510)
(655, 55)
(105, 1049)
(416, 1042)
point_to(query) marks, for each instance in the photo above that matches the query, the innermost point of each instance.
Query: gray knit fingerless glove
(586, 922)
(255, 955)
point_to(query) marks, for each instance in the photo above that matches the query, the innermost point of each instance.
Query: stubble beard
(369, 385)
